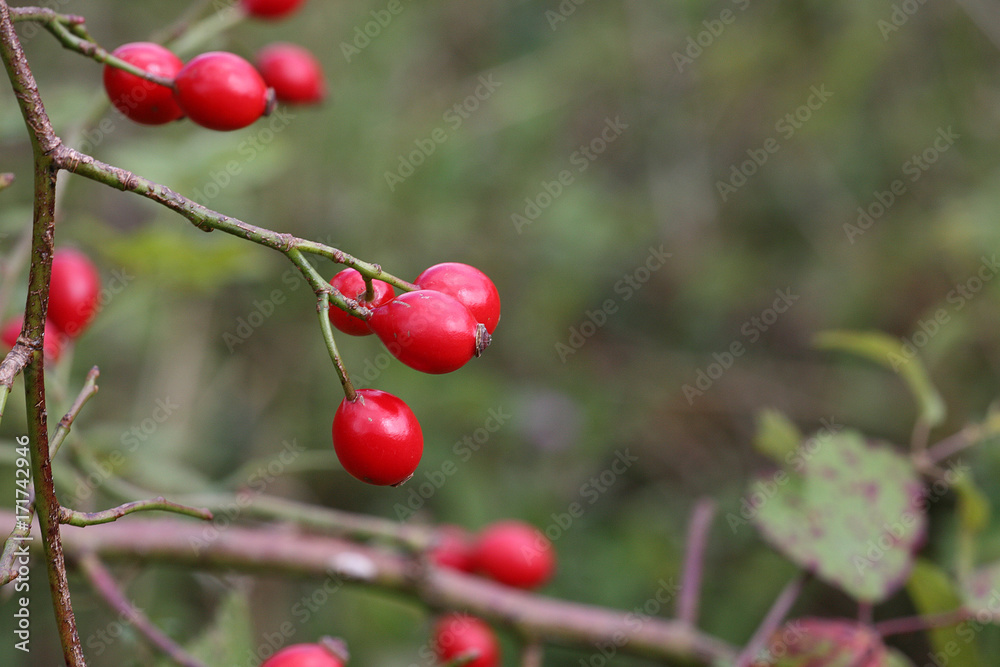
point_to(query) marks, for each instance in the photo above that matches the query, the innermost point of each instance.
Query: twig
(279, 551)
(694, 560)
(105, 586)
(75, 518)
(532, 655)
(899, 626)
(953, 444)
(23, 526)
(775, 617)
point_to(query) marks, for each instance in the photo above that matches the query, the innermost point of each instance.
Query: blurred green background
(698, 91)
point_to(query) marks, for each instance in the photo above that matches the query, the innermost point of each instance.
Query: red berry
(293, 72)
(377, 438)
(351, 284)
(453, 550)
(327, 654)
(73, 291)
(429, 331)
(51, 343)
(221, 91)
(469, 285)
(270, 9)
(144, 101)
(457, 635)
(515, 554)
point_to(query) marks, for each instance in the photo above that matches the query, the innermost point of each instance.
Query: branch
(775, 617)
(81, 519)
(694, 557)
(899, 626)
(279, 551)
(102, 582)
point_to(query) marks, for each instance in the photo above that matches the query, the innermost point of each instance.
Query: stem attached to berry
(323, 307)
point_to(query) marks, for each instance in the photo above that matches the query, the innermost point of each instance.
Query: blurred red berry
(328, 653)
(458, 635)
(453, 550)
(515, 554)
(74, 291)
(51, 343)
(141, 100)
(293, 72)
(270, 9)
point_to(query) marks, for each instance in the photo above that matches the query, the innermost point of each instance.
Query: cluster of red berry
(217, 90)
(509, 552)
(74, 291)
(435, 329)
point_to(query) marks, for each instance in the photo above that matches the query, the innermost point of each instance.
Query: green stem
(75, 518)
(331, 346)
(209, 27)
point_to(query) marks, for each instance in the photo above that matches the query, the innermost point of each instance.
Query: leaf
(981, 592)
(777, 436)
(823, 642)
(891, 353)
(973, 505)
(934, 592)
(851, 514)
(227, 640)
(894, 658)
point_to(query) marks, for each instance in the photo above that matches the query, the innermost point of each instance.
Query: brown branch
(694, 557)
(102, 582)
(279, 551)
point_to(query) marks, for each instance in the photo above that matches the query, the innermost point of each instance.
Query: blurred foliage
(580, 274)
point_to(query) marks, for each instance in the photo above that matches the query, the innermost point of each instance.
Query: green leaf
(889, 352)
(973, 505)
(777, 436)
(227, 640)
(982, 592)
(851, 514)
(934, 592)
(894, 658)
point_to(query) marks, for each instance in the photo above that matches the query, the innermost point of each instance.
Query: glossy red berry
(429, 331)
(328, 653)
(74, 291)
(221, 91)
(457, 635)
(270, 9)
(469, 285)
(140, 100)
(515, 554)
(351, 284)
(293, 72)
(377, 438)
(453, 550)
(51, 343)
